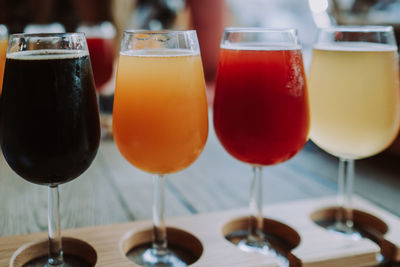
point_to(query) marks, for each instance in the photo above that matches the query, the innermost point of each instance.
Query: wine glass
(101, 43)
(49, 117)
(354, 101)
(160, 122)
(261, 112)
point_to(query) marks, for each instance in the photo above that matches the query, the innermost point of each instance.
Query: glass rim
(60, 34)
(358, 28)
(155, 32)
(259, 29)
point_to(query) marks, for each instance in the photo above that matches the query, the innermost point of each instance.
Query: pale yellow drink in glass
(160, 121)
(3, 52)
(354, 98)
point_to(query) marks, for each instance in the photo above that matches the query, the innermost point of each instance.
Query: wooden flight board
(203, 236)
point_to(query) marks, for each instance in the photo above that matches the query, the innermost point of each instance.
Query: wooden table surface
(112, 191)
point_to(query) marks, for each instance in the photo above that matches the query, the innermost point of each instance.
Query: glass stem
(256, 220)
(55, 248)
(346, 182)
(159, 228)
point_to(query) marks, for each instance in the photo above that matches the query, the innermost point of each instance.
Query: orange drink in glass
(160, 118)
(160, 114)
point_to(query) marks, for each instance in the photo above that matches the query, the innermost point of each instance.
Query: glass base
(69, 261)
(264, 248)
(260, 247)
(144, 255)
(344, 229)
(152, 257)
(272, 245)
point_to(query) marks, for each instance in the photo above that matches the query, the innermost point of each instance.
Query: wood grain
(318, 247)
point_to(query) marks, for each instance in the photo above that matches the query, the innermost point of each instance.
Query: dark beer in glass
(50, 127)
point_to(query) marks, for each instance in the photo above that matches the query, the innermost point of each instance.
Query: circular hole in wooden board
(182, 243)
(368, 225)
(282, 237)
(75, 249)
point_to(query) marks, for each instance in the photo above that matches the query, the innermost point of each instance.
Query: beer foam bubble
(47, 54)
(356, 47)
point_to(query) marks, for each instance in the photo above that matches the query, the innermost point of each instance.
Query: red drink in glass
(261, 112)
(102, 58)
